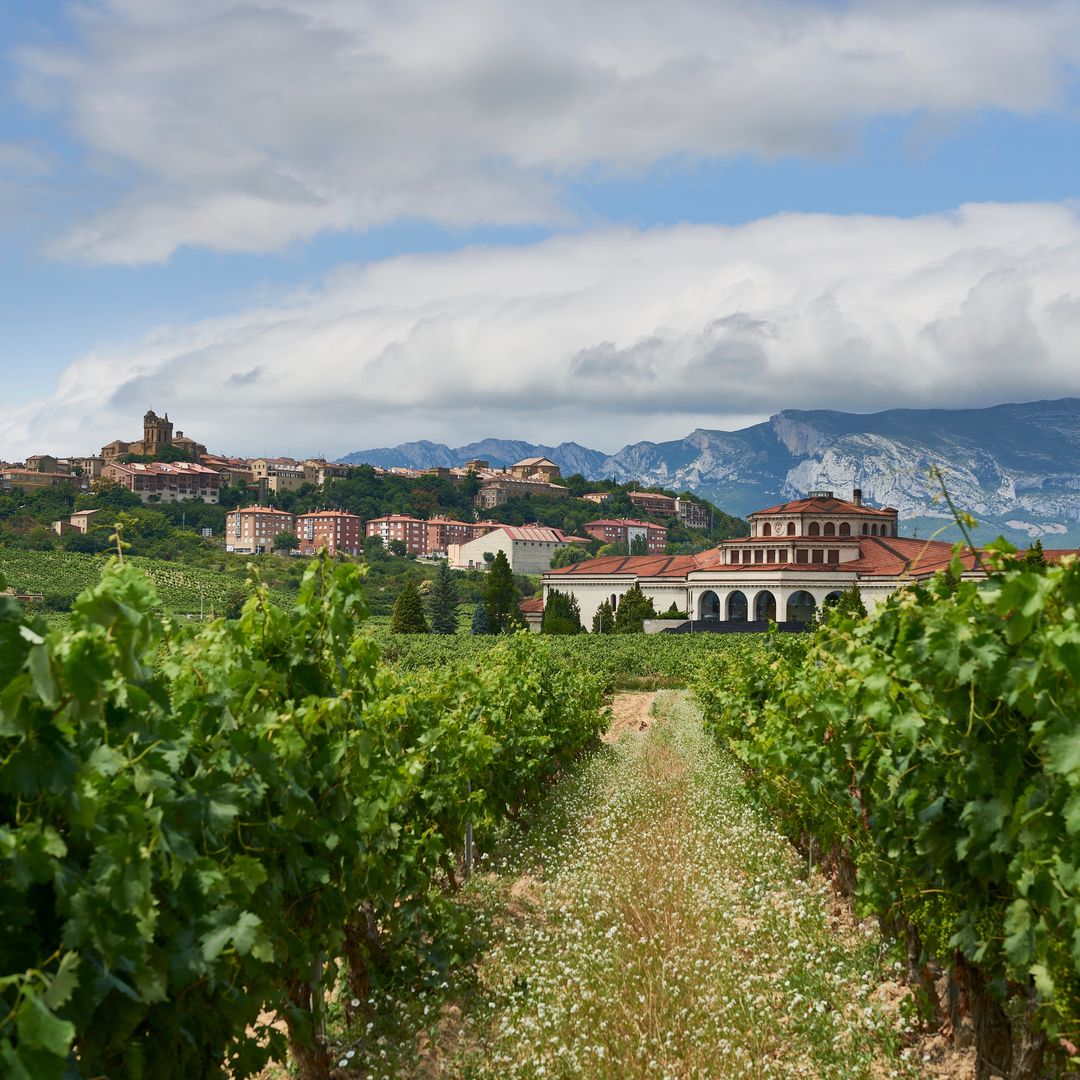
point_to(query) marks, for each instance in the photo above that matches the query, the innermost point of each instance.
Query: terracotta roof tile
(820, 505)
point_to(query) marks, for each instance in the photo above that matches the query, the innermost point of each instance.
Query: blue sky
(194, 191)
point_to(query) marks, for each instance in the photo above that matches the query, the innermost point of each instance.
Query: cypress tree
(501, 598)
(443, 601)
(634, 608)
(603, 622)
(408, 617)
(562, 615)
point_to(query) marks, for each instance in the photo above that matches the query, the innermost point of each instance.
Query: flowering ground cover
(649, 923)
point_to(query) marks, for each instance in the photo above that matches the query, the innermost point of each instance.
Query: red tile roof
(527, 607)
(819, 505)
(879, 556)
(533, 532)
(677, 566)
(625, 521)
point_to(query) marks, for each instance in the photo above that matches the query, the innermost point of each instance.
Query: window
(791, 528)
(817, 556)
(830, 529)
(800, 555)
(845, 529)
(766, 529)
(735, 556)
(814, 530)
(832, 555)
(759, 556)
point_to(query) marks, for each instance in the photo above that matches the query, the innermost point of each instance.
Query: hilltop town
(255, 506)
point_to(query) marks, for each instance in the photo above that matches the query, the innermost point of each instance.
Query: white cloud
(242, 126)
(609, 337)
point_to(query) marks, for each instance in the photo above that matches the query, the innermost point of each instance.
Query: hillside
(1015, 467)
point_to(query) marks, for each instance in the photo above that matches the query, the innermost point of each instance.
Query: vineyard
(182, 590)
(618, 659)
(931, 757)
(225, 843)
(203, 830)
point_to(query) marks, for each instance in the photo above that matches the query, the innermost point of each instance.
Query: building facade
(157, 435)
(496, 490)
(251, 531)
(627, 530)
(798, 556)
(692, 514)
(412, 532)
(535, 468)
(22, 479)
(161, 481)
(334, 530)
(650, 502)
(275, 475)
(442, 532)
(528, 548)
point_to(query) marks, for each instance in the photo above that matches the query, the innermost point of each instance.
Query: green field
(183, 590)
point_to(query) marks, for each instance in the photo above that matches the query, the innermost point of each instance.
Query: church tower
(157, 433)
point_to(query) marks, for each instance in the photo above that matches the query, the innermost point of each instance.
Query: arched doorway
(709, 607)
(737, 607)
(801, 607)
(765, 607)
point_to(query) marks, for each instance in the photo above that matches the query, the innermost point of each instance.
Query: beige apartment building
(251, 531)
(334, 530)
(535, 468)
(274, 475)
(161, 481)
(692, 514)
(317, 471)
(498, 489)
(16, 478)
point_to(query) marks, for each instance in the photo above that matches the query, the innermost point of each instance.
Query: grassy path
(651, 924)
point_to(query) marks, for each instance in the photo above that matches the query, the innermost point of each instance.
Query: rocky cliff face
(1014, 467)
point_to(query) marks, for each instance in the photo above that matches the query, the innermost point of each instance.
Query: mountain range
(1015, 467)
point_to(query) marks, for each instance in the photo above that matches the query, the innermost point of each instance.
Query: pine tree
(480, 621)
(501, 598)
(408, 617)
(603, 622)
(1034, 556)
(443, 601)
(634, 608)
(562, 615)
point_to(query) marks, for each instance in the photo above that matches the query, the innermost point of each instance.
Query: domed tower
(157, 433)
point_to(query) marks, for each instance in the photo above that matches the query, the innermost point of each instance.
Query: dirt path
(651, 924)
(630, 712)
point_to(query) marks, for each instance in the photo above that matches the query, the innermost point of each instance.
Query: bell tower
(157, 432)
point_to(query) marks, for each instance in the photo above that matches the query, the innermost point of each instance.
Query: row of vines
(675, 658)
(931, 755)
(205, 827)
(62, 575)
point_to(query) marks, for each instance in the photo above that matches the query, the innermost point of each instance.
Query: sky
(316, 226)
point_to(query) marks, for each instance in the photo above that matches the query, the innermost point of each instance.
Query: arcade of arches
(767, 605)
